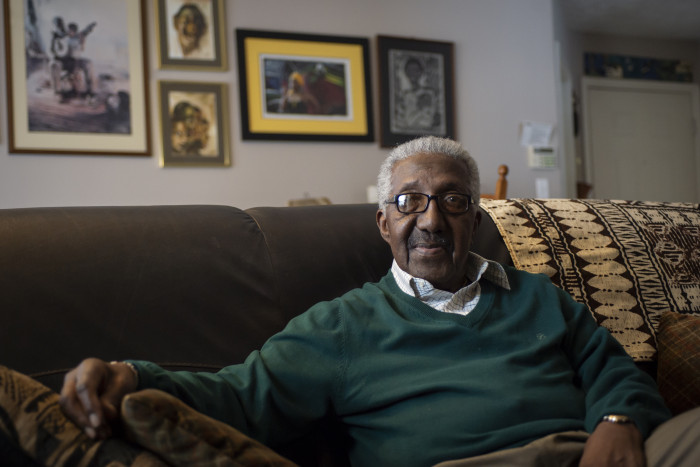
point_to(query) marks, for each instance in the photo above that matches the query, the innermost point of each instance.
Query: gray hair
(426, 145)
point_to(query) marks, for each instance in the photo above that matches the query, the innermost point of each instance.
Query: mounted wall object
(416, 89)
(304, 87)
(191, 34)
(77, 77)
(194, 124)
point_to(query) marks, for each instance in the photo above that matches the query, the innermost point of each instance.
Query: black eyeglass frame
(439, 198)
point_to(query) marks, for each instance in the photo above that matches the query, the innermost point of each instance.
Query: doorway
(641, 139)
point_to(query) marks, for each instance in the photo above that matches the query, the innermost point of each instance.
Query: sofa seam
(273, 267)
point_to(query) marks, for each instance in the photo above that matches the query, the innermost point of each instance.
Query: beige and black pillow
(159, 430)
(678, 374)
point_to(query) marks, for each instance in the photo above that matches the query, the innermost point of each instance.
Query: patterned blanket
(627, 261)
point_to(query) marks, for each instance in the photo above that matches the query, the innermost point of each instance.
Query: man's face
(187, 30)
(431, 245)
(179, 136)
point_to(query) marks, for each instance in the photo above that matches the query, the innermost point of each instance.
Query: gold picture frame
(304, 87)
(191, 34)
(194, 124)
(77, 77)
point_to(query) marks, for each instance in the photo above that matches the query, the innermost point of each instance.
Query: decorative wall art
(191, 34)
(77, 77)
(194, 124)
(416, 89)
(628, 67)
(304, 87)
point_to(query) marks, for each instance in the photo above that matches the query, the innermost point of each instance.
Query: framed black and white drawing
(416, 89)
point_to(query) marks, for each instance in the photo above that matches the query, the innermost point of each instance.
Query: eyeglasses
(415, 203)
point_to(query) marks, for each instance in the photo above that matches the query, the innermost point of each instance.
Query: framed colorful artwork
(194, 124)
(304, 87)
(77, 77)
(416, 89)
(191, 34)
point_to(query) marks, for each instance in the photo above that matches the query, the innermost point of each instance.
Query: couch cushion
(320, 252)
(187, 285)
(627, 261)
(679, 361)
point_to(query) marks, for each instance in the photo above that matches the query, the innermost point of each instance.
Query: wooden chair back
(501, 184)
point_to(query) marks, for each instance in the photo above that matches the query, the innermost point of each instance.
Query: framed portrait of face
(416, 89)
(77, 77)
(194, 124)
(191, 34)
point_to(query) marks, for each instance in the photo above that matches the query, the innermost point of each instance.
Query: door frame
(589, 84)
(565, 131)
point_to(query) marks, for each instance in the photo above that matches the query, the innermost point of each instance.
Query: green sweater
(414, 386)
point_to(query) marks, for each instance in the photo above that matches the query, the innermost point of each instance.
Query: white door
(641, 140)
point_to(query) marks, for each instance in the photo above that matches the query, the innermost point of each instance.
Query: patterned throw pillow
(182, 436)
(679, 361)
(32, 420)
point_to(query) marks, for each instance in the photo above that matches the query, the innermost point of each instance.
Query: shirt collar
(477, 268)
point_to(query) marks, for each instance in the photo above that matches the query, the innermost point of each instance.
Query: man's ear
(477, 221)
(383, 227)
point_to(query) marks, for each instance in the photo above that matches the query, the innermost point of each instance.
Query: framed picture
(191, 34)
(77, 77)
(194, 124)
(416, 89)
(304, 87)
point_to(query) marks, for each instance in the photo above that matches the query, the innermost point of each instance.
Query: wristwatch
(621, 419)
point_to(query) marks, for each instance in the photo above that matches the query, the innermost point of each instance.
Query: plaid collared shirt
(465, 299)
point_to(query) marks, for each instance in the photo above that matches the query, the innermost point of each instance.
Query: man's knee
(676, 442)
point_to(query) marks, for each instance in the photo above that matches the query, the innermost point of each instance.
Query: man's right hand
(92, 394)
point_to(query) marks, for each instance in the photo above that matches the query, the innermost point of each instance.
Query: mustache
(423, 238)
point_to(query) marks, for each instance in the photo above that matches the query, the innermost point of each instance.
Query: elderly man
(449, 358)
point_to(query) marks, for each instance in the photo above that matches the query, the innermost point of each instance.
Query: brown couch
(188, 287)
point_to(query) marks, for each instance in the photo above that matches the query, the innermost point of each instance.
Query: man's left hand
(614, 444)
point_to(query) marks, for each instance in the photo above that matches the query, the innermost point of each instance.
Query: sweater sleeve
(279, 391)
(612, 382)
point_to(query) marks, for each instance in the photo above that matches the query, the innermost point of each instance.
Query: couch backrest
(191, 287)
(331, 249)
(170, 284)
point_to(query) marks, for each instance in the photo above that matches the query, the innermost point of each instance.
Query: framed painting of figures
(304, 87)
(191, 34)
(194, 124)
(77, 77)
(416, 89)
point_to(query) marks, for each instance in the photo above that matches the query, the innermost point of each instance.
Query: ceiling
(660, 19)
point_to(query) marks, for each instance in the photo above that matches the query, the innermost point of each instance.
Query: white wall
(504, 74)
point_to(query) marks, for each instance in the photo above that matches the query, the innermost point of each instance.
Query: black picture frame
(416, 89)
(273, 64)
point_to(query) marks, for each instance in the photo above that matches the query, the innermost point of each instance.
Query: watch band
(621, 419)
